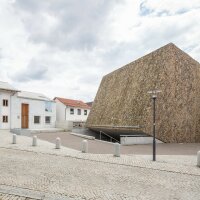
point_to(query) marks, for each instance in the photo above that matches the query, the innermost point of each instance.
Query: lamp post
(154, 96)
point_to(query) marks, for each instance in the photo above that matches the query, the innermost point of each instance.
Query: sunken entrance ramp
(122, 98)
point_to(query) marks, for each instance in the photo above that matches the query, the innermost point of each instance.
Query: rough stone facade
(122, 98)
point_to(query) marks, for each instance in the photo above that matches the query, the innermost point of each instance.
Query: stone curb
(126, 161)
(83, 136)
(37, 195)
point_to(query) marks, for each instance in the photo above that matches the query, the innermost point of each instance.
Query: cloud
(66, 25)
(65, 47)
(167, 7)
(1, 54)
(144, 10)
(33, 72)
(89, 79)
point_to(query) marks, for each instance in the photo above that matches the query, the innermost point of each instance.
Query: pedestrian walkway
(13, 197)
(25, 143)
(102, 147)
(44, 172)
(16, 193)
(145, 161)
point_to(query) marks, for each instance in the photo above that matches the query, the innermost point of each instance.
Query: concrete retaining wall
(137, 140)
(66, 125)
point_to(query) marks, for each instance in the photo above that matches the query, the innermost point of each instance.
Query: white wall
(75, 117)
(63, 113)
(137, 140)
(5, 110)
(66, 125)
(36, 108)
(60, 111)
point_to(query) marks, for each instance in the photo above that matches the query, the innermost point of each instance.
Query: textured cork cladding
(122, 98)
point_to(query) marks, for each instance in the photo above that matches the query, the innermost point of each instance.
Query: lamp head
(154, 96)
(154, 93)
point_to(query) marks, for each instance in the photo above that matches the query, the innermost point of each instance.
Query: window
(79, 111)
(5, 119)
(5, 102)
(71, 111)
(85, 112)
(47, 119)
(48, 106)
(36, 119)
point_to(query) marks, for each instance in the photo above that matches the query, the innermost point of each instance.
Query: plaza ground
(43, 172)
(96, 146)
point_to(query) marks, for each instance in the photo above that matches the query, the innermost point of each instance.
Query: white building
(71, 110)
(6, 93)
(32, 110)
(26, 110)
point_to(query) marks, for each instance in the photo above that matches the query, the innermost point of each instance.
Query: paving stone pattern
(68, 174)
(12, 197)
(86, 179)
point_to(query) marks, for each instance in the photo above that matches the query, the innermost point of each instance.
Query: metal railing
(110, 137)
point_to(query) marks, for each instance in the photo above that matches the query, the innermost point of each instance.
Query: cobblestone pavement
(67, 174)
(13, 197)
(86, 179)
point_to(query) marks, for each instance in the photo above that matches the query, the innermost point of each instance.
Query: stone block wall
(122, 98)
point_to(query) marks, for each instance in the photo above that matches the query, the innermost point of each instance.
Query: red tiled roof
(89, 103)
(73, 103)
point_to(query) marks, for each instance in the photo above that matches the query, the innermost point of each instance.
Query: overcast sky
(64, 47)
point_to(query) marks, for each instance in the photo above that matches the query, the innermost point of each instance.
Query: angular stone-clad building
(122, 100)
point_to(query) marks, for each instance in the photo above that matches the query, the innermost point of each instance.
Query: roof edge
(169, 45)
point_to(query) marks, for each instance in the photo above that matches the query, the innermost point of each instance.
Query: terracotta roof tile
(73, 103)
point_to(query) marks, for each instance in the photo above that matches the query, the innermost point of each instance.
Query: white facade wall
(5, 110)
(63, 113)
(60, 111)
(36, 108)
(75, 117)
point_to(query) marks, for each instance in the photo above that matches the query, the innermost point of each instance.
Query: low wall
(127, 140)
(20, 131)
(83, 136)
(66, 125)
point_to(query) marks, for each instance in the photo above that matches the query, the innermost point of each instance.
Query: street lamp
(154, 96)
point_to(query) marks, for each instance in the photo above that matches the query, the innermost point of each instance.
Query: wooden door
(25, 114)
